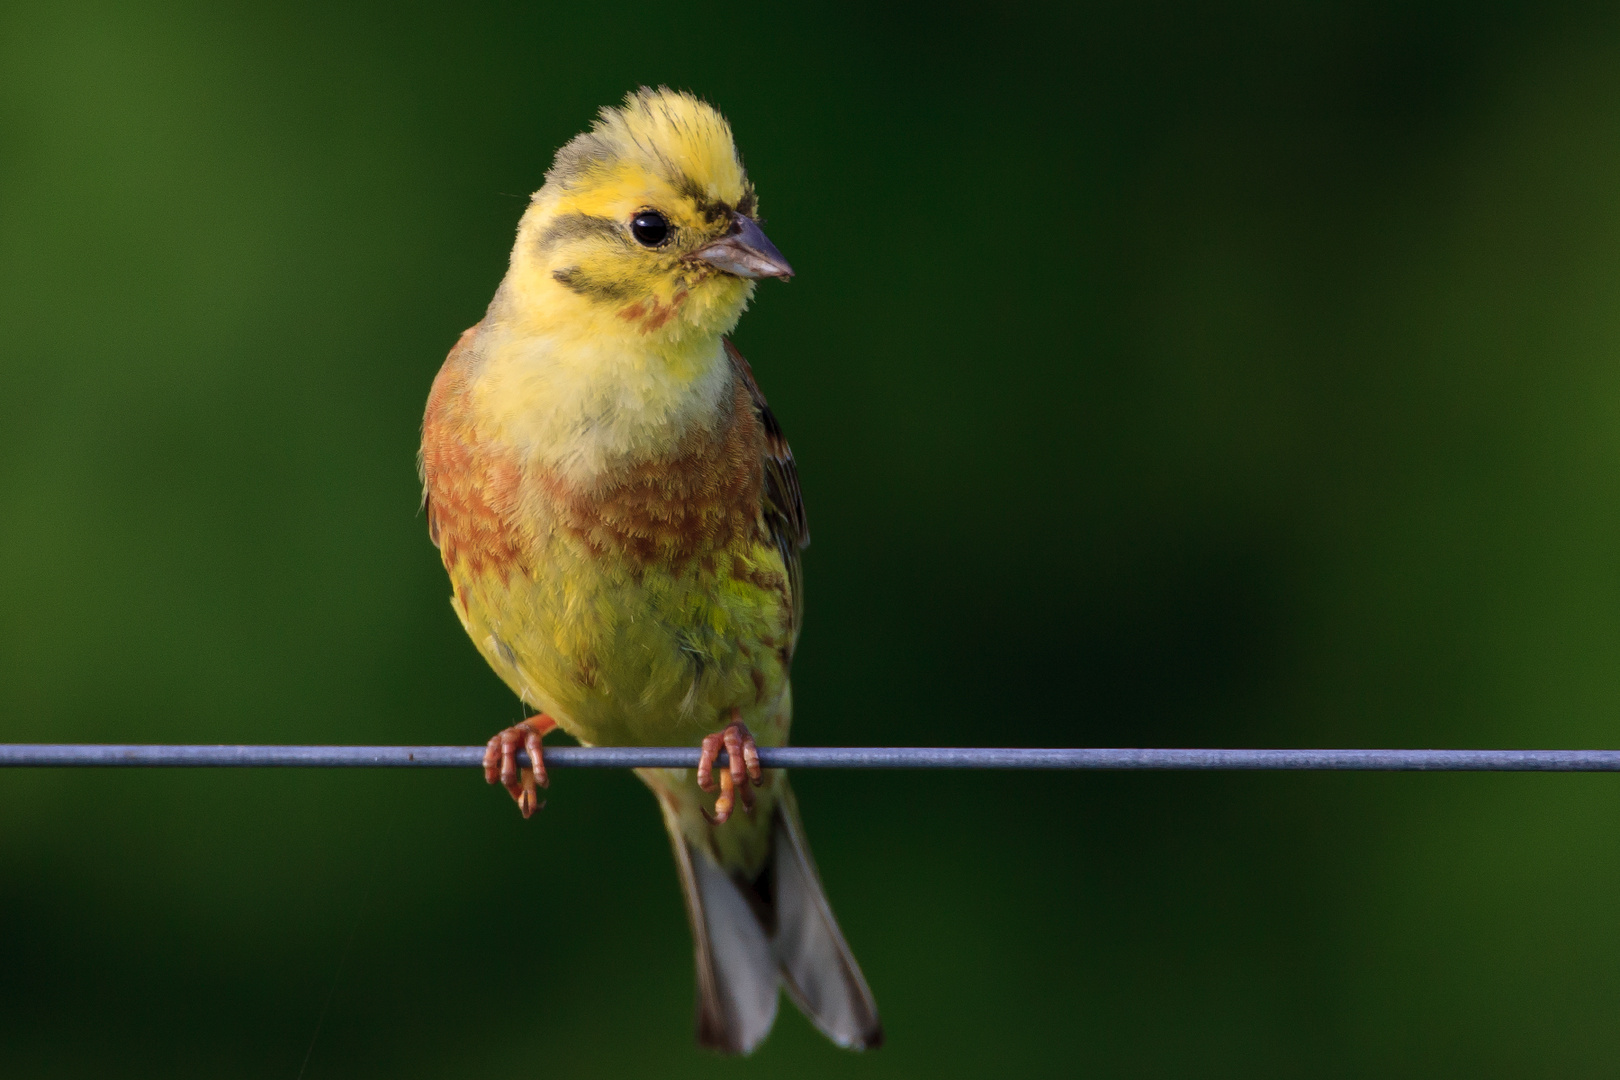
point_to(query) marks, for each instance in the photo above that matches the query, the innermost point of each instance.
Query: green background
(1158, 376)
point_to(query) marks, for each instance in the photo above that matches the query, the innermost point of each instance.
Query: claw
(742, 767)
(500, 762)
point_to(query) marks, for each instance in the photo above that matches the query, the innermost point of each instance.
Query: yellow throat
(603, 340)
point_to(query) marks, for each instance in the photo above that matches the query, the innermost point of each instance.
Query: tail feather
(752, 935)
(736, 973)
(817, 967)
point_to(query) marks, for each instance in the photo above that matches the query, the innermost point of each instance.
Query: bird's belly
(624, 653)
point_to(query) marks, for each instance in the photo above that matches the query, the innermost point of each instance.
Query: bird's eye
(650, 228)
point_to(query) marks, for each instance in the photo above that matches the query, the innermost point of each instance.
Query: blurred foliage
(1159, 374)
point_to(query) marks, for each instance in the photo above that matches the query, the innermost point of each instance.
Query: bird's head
(647, 224)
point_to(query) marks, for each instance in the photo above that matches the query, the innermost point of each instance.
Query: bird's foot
(500, 761)
(743, 768)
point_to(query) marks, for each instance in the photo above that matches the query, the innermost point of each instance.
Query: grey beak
(746, 252)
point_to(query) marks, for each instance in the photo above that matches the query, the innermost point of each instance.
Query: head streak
(573, 277)
(568, 227)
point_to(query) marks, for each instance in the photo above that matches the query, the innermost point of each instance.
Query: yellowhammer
(620, 516)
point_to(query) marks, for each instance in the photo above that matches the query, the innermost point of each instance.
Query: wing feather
(783, 503)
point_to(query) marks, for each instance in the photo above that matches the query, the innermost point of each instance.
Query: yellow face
(649, 217)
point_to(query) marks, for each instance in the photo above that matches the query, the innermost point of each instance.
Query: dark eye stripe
(568, 227)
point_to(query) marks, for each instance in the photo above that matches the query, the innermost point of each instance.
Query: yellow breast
(620, 579)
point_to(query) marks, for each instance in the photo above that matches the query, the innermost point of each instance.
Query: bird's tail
(776, 928)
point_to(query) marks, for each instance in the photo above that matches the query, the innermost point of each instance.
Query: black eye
(650, 228)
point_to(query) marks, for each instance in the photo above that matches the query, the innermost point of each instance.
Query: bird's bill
(746, 252)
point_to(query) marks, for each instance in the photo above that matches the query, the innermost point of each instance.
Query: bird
(620, 517)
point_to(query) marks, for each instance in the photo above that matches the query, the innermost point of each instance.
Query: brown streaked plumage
(697, 497)
(470, 491)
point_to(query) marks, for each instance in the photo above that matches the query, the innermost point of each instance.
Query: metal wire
(59, 755)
